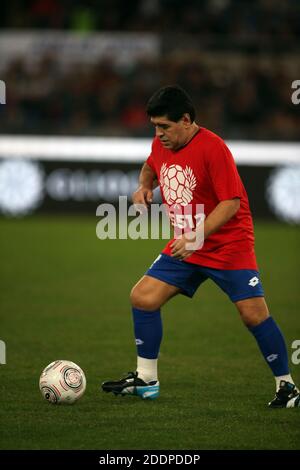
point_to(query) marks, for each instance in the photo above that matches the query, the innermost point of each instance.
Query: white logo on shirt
(253, 281)
(177, 184)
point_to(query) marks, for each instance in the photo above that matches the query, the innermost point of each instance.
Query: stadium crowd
(255, 20)
(240, 96)
(246, 102)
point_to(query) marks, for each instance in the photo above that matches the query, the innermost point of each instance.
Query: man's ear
(186, 119)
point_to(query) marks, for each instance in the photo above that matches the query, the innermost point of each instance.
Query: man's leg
(255, 315)
(147, 297)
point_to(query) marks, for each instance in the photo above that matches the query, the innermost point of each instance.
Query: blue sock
(148, 332)
(272, 346)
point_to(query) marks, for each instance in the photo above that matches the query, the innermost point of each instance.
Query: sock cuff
(263, 326)
(138, 311)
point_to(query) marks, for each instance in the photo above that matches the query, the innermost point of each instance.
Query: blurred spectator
(48, 14)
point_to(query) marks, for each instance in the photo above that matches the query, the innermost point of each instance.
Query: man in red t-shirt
(194, 168)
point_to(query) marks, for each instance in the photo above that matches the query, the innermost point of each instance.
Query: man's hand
(142, 196)
(183, 247)
(179, 246)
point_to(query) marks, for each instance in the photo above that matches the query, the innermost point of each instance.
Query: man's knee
(143, 300)
(253, 318)
(253, 311)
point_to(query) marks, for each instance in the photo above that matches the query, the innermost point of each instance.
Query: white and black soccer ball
(62, 382)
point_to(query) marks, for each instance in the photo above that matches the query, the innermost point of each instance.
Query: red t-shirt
(204, 172)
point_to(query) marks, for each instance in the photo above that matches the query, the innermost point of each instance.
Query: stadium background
(77, 76)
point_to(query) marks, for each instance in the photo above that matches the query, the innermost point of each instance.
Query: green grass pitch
(64, 295)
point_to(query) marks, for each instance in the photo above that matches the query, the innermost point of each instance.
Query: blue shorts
(238, 284)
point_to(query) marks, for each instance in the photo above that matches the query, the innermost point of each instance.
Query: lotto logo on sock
(139, 342)
(272, 357)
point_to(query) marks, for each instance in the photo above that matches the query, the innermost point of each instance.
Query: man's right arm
(147, 182)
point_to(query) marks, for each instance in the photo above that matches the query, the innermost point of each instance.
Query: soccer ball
(62, 382)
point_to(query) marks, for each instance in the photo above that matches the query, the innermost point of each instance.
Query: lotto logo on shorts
(253, 281)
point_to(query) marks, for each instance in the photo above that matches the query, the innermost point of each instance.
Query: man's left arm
(221, 214)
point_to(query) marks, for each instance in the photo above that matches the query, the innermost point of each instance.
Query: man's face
(172, 135)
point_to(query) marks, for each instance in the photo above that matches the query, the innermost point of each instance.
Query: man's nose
(158, 132)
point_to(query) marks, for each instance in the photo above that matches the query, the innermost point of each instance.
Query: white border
(131, 150)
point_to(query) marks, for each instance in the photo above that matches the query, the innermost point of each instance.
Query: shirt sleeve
(150, 162)
(150, 159)
(223, 173)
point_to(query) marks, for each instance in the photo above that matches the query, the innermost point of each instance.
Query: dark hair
(170, 101)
